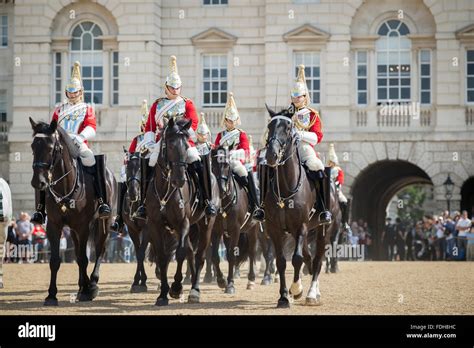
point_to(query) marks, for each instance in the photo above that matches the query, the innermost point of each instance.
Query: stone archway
(375, 186)
(467, 196)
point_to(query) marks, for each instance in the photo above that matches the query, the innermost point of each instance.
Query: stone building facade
(361, 55)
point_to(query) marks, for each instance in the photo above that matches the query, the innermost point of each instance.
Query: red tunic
(243, 143)
(340, 176)
(89, 119)
(190, 114)
(316, 127)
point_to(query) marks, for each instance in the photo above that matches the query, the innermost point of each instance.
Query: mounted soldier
(78, 120)
(175, 106)
(135, 146)
(203, 134)
(337, 176)
(235, 140)
(309, 129)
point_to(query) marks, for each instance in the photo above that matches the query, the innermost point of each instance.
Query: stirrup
(104, 211)
(140, 214)
(210, 209)
(259, 214)
(325, 217)
(118, 224)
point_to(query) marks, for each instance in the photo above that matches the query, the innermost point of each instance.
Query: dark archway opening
(373, 189)
(467, 196)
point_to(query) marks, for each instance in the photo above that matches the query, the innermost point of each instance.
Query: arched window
(393, 62)
(86, 47)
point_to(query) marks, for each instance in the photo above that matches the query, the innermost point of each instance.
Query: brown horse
(233, 222)
(173, 201)
(70, 200)
(289, 206)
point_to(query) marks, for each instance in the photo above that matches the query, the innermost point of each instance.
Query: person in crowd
(39, 243)
(10, 242)
(23, 232)
(409, 240)
(440, 241)
(400, 239)
(470, 245)
(389, 238)
(463, 226)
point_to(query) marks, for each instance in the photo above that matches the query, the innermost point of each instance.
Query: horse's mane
(48, 129)
(178, 127)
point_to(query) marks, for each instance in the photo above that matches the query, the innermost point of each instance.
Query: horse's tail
(244, 248)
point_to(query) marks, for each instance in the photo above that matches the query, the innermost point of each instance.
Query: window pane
(86, 71)
(215, 98)
(223, 98)
(87, 42)
(425, 83)
(98, 98)
(362, 84)
(215, 86)
(362, 70)
(470, 56)
(316, 85)
(223, 86)
(116, 98)
(394, 82)
(405, 93)
(115, 87)
(207, 98)
(403, 29)
(76, 45)
(116, 58)
(87, 25)
(215, 73)
(393, 23)
(115, 70)
(470, 69)
(362, 57)
(96, 31)
(382, 93)
(425, 69)
(382, 70)
(425, 98)
(393, 93)
(58, 71)
(425, 56)
(470, 96)
(382, 82)
(76, 33)
(207, 73)
(362, 98)
(470, 82)
(207, 86)
(97, 85)
(316, 71)
(223, 72)
(58, 85)
(405, 82)
(97, 45)
(87, 84)
(87, 97)
(97, 71)
(383, 30)
(316, 98)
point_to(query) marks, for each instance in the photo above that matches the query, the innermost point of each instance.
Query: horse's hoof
(84, 297)
(194, 296)
(176, 290)
(267, 280)
(251, 285)
(208, 279)
(313, 301)
(296, 290)
(186, 281)
(135, 289)
(334, 270)
(283, 303)
(230, 289)
(94, 291)
(160, 302)
(51, 302)
(221, 283)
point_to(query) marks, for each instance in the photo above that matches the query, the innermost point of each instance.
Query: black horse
(137, 229)
(233, 222)
(174, 204)
(70, 200)
(289, 206)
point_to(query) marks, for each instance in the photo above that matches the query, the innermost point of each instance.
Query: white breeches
(192, 154)
(87, 156)
(341, 196)
(123, 173)
(308, 157)
(238, 168)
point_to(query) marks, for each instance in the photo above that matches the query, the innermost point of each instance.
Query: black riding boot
(144, 179)
(345, 215)
(206, 190)
(252, 193)
(39, 215)
(100, 187)
(118, 224)
(259, 213)
(321, 200)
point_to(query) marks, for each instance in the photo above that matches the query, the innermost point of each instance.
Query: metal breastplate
(203, 148)
(304, 118)
(177, 111)
(233, 141)
(71, 116)
(140, 139)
